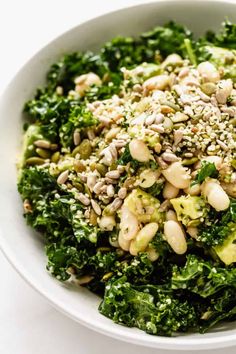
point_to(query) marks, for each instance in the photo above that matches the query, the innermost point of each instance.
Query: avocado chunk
(189, 209)
(144, 71)
(223, 57)
(144, 206)
(137, 132)
(227, 251)
(32, 134)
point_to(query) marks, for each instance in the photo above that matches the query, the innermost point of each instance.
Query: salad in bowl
(128, 170)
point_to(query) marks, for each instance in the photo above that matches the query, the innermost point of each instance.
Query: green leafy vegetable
(201, 277)
(208, 169)
(215, 233)
(157, 312)
(127, 158)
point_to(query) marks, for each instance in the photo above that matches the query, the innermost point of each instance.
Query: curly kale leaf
(61, 258)
(167, 39)
(221, 307)
(160, 244)
(207, 169)
(137, 270)
(55, 216)
(155, 312)
(202, 277)
(155, 189)
(221, 225)
(50, 112)
(126, 52)
(127, 158)
(78, 117)
(226, 38)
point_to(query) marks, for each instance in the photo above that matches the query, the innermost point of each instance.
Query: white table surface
(28, 324)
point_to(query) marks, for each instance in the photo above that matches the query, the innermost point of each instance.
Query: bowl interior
(20, 244)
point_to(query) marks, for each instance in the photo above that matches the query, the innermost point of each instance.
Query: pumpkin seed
(32, 161)
(55, 157)
(45, 154)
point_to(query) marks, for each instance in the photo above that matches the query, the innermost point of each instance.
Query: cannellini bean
(129, 224)
(177, 175)
(152, 254)
(171, 215)
(83, 82)
(192, 231)
(159, 82)
(208, 72)
(139, 150)
(223, 90)
(217, 160)
(229, 188)
(124, 244)
(148, 178)
(170, 191)
(175, 236)
(107, 223)
(143, 238)
(193, 190)
(215, 194)
(172, 59)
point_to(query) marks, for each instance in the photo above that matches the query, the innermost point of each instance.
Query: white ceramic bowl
(21, 245)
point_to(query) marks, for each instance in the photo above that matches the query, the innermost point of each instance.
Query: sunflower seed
(62, 178)
(96, 207)
(97, 187)
(76, 137)
(83, 199)
(157, 128)
(110, 190)
(44, 144)
(113, 174)
(91, 134)
(115, 205)
(122, 193)
(169, 157)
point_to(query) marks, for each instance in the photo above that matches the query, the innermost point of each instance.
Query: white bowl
(21, 245)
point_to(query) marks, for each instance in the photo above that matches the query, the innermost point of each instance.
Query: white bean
(171, 215)
(124, 244)
(83, 82)
(193, 190)
(139, 150)
(148, 178)
(129, 224)
(175, 236)
(107, 223)
(215, 194)
(143, 238)
(159, 82)
(208, 72)
(177, 175)
(170, 191)
(223, 90)
(172, 59)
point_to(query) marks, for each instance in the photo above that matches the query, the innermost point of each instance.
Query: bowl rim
(171, 343)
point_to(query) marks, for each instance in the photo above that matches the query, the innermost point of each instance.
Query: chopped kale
(158, 312)
(221, 225)
(174, 292)
(208, 169)
(127, 158)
